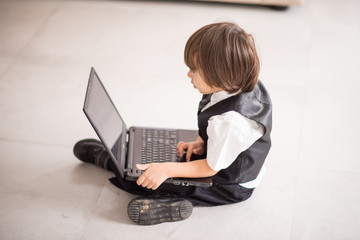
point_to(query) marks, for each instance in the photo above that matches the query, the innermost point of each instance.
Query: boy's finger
(179, 144)
(142, 166)
(140, 180)
(180, 148)
(188, 154)
(198, 151)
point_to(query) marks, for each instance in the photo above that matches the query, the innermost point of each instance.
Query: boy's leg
(156, 208)
(93, 151)
(204, 196)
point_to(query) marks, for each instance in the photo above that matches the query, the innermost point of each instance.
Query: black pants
(207, 196)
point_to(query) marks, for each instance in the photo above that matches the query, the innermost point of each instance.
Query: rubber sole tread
(150, 211)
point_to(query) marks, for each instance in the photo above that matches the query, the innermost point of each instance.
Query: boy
(234, 119)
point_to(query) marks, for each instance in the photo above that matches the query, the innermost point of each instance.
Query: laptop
(135, 145)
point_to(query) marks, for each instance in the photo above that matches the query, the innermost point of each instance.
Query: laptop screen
(105, 119)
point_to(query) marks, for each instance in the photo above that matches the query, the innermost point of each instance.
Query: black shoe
(149, 211)
(92, 151)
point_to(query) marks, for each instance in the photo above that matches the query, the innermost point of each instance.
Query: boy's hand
(155, 174)
(196, 147)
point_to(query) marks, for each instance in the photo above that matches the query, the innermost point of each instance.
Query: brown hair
(225, 55)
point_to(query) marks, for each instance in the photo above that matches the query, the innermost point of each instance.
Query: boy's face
(199, 83)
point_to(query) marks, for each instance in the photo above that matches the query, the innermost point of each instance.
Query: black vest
(255, 105)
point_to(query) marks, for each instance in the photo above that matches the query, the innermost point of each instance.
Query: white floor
(310, 64)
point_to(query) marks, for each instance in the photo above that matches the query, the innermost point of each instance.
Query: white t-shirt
(229, 134)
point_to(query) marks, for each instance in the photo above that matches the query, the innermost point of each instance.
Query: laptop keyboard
(159, 146)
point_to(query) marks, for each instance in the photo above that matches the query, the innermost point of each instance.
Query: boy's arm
(156, 173)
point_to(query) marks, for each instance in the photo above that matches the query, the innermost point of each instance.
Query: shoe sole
(150, 211)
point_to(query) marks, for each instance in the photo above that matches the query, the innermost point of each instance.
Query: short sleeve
(229, 134)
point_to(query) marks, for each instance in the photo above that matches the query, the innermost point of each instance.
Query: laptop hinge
(127, 136)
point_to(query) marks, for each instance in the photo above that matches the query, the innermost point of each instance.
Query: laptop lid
(106, 120)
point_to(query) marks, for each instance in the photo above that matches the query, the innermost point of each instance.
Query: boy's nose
(189, 74)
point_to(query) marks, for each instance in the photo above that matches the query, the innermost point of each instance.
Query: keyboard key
(158, 146)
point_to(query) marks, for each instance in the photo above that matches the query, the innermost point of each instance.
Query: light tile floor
(310, 65)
